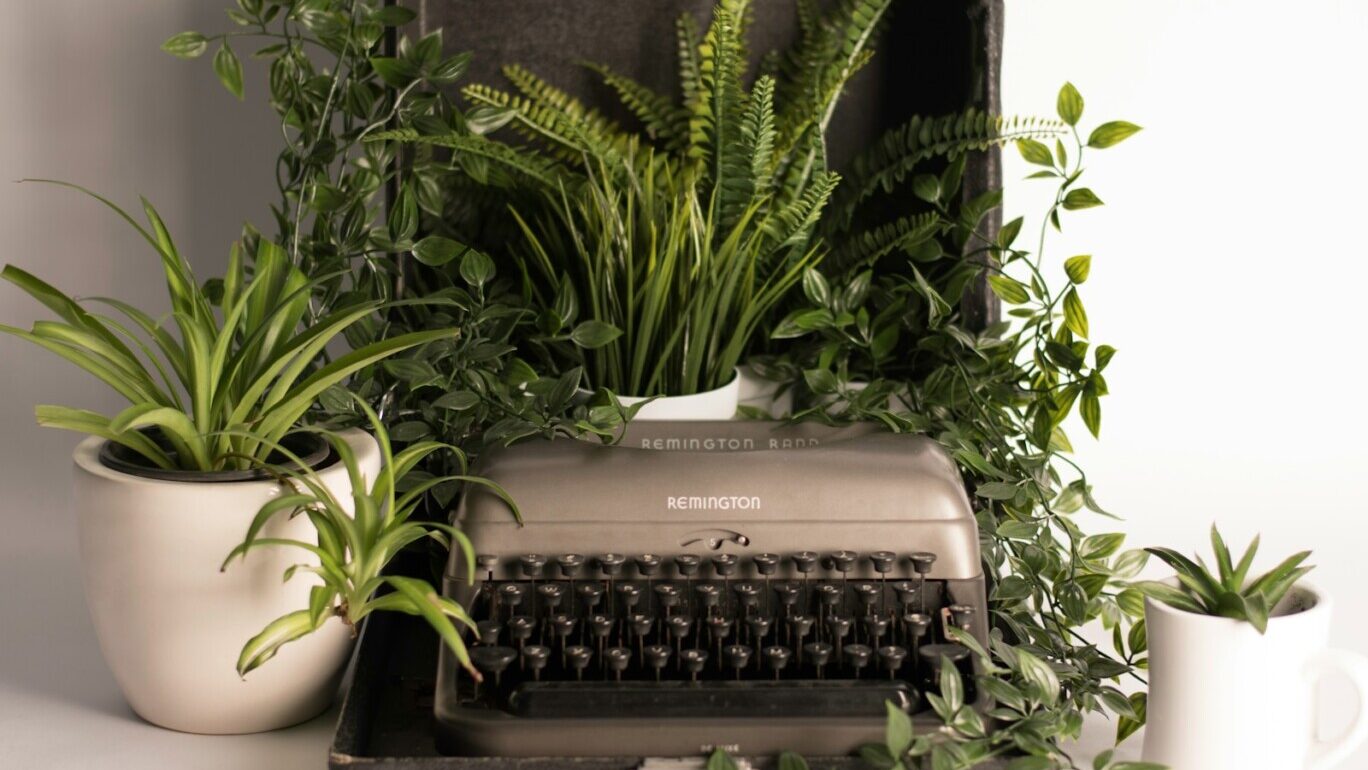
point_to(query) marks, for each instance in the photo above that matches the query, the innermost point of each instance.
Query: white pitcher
(1224, 697)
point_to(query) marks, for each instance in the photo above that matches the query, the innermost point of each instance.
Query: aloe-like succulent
(1228, 593)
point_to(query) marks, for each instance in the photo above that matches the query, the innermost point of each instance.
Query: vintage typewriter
(752, 585)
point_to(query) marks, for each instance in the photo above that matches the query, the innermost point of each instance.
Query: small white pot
(171, 625)
(1224, 697)
(716, 404)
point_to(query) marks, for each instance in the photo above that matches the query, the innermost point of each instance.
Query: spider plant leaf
(429, 605)
(1223, 563)
(174, 425)
(266, 513)
(1279, 573)
(65, 307)
(93, 424)
(1163, 592)
(1273, 592)
(95, 365)
(1198, 579)
(279, 632)
(329, 563)
(170, 349)
(320, 603)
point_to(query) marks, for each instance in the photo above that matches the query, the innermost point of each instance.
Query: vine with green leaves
(878, 332)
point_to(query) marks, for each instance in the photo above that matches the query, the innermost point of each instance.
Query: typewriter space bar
(810, 697)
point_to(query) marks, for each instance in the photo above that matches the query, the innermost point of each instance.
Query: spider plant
(257, 367)
(356, 541)
(1228, 593)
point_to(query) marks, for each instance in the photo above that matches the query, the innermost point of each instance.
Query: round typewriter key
(708, 595)
(915, 625)
(875, 626)
(961, 615)
(906, 591)
(724, 564)
(563, 625)
(922, 561)
(667, 596)
(766, 564)
(842, 561)
(648, 564)
(748, 595)
(532, 565)
(759, 627)
(838, 626)
(736, 656)
(828, 594)
(719, 628)
(679, 626)
(641, 626)
(628, 595)
(857, 657)
(868, 594)
(492, 660)
(657, 655)
(819, 653)
(511, 594)
(610, 564)
(578, 656)
(570, 564)
(777, 657)
(535, 657)
(600, 626)
(550, 594)
(618, 658)
(787, 594)
(687, 564)
(489, 631)
(883, 561)
(891, 657)
(590, 595)
(799, 626)
(934, 653)
(805, 561)
(694, 660)
(488, 563)
(520, 628)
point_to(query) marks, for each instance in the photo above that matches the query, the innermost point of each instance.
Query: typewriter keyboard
(801, 634)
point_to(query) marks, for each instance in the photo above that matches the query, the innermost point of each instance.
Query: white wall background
(1228, 269)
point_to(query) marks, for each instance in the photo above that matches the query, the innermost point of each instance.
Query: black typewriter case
(955, 48)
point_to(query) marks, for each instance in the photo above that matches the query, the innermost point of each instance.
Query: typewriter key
(883, 561)
(933, 656)
(641, 626)
(492, 660)
(618, 658)
(868, 594)
(828, 594)
(679, 626)
(777, 657)
(804, 562)
(819, 653)
(562, 626)
(857, 657)
(687, 564)
(694, 660)
(628, 596)
(961, 615)
(799, 626)
(875, 626)
(532, 565)
(892, 657)
(590, 595)
(915, 625)
(511, 594)
(766, 564)
(550, 595)
(922, 561)
(787, 594)
(648, 564)
(520, 628)
(657, 655)
(570, 564)
(534, 658)
(488, 563)
(906, 591)
(737, 656)
(600, 626)
(839, 628)
(708, 597)
(748, 595)
(579, 656)
(759, 627)
(488, 631)
(724, 564)
(842, 561)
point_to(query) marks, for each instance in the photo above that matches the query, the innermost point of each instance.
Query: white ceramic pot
(1223, 697)
(716, 404)
(766, 395)
(171, 625)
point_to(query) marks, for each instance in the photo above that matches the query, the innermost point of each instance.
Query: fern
(714, 123)
(690, 70)
(900, 151)
(528, 165)
(757, 136)
(901, 234)
(792, 225)
(662, 119)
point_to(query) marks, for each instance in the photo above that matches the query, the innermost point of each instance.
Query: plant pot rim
(733, 383)
(90, 455)
(1315, 600)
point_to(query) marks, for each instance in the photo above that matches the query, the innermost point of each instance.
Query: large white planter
(1223, 697)
(171, 625)
(717, 404)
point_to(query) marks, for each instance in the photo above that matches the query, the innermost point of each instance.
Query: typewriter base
(386, 721)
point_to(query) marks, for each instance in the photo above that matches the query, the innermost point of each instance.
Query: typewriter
(750, 585)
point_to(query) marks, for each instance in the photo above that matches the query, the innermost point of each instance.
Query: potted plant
(1233, 664)
(356, 539)
(167, 486)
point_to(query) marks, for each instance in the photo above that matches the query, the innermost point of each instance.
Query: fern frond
(559, 134)
(871, 245)
(547, 95)
(690, 69)
(530, 165)
(792, 225)
(757, 136)
(663, 120)
(715, 117)
(898, 153)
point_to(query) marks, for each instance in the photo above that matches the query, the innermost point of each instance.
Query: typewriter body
(750, 585)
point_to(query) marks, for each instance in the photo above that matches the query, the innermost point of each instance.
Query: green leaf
(898, 729)
(1008, 289)
(1077, 268)
(997, 490)
(1111, 133)
(1103, 356)
(397, 73)
(1090, 409)
(876, 754)
(816, 288)
(1125, 726)
(436, 250)
(791, 761)
(277, 633)
(720, 760)
(594, 334)
(821, 381)
(1039, 674)
(1101, 546)
(1081, 198)
(1069, 104)
(476, 268)
(1035, 152)
(1075, 317)
(1167, 594)
(926, 187)
(186, 45)
(228, 69)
